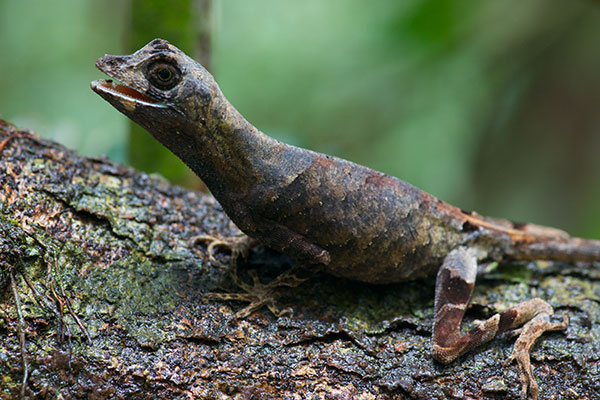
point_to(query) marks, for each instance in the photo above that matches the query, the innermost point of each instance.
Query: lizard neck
(228, 153)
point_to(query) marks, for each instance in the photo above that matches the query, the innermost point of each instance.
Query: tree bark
(110, 304)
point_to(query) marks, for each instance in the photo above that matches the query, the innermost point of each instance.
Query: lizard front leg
(238, 245)
(284, 240)
(454, 285)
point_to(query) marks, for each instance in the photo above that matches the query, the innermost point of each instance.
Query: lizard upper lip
(121, 91)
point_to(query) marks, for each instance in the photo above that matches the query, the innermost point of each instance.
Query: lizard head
(160, 88)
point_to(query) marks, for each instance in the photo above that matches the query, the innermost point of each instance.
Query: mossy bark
(99, 250)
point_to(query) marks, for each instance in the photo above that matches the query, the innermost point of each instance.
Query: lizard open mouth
(109, 87)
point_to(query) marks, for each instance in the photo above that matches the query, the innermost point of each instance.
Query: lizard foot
(528, 333)
(528, 319)
(259, 294)
(238, 245)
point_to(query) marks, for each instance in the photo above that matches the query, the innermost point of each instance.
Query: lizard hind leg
(454, 285)
(527, 336)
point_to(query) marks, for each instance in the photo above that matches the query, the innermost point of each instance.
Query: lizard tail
(567, 250)
(535, 242)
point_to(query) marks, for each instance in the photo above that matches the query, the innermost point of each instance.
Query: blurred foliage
(490, 105)
(176, 21)
(47, 54)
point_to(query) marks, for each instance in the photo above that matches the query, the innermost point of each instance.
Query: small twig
(21, 328)
(4, 142)
(55, 303)
(41, 299)
(75, 317)
(51, 286)
(61, 317)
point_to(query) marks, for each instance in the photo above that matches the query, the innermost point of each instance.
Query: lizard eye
(163, 75)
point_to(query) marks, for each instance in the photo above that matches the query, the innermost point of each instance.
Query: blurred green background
(490, 105)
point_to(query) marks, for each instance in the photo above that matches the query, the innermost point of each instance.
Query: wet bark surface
(110, 304)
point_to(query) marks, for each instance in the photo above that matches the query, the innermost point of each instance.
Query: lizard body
(352, 221)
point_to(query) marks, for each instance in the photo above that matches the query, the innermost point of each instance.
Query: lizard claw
(256, 293)
(259, 294)
(238, 245)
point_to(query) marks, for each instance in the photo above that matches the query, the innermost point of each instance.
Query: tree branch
(107, 247)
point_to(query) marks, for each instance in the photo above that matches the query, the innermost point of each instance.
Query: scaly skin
(352, 221)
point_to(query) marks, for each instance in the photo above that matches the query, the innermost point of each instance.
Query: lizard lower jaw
(123, 93)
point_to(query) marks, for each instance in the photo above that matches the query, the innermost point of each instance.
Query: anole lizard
(350, 220)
